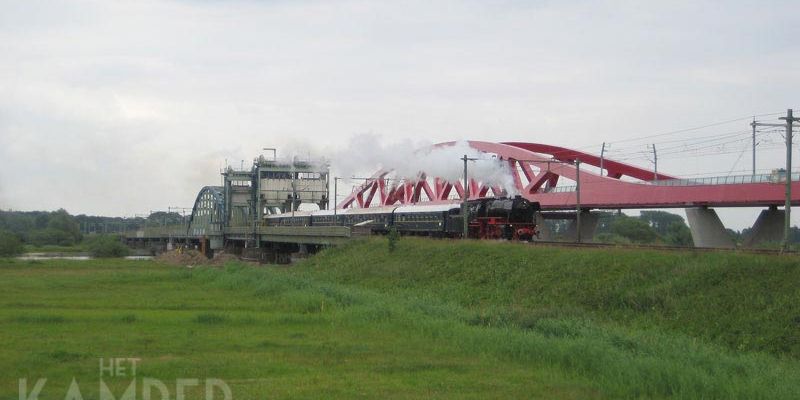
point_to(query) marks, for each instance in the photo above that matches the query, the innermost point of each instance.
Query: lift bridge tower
(273, 186)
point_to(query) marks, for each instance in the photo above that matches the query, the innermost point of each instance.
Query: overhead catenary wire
(644, 156)
(735, 163)
(639, 138)
(700, 138)
(713, 145)
(681, 145)
(709, 149)
(718, 153)
(689, 143)
(678, 131)
(703, 146)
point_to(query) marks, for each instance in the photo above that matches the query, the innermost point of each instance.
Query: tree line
(60, 228)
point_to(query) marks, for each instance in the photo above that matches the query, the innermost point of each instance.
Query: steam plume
(365, 154)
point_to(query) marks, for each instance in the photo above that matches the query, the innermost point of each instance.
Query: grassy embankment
(432, 319)
(742, 301)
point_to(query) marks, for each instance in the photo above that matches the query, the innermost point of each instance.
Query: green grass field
(434, 319)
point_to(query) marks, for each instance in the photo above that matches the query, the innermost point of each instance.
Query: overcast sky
(117, 108)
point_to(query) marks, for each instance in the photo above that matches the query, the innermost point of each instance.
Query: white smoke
(365, 154)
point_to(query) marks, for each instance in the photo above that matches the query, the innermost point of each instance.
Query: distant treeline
(90, 224)
(59, 228)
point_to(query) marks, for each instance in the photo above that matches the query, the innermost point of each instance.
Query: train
(489, 218)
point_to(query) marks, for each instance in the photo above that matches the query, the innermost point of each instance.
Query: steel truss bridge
(543, 173)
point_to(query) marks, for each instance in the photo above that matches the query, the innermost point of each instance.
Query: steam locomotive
(489, 218)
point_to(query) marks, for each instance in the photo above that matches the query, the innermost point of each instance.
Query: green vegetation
(741, 301)
(634, 229)
(42, 228)
(650, 227)
(393, 237)
(10, 245)
(678, 234)
(59, 228)
(105, 246)
(60, 232)
(441, 319)
(265, 332)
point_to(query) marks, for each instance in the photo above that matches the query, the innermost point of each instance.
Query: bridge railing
(712, 180)
(728, 180)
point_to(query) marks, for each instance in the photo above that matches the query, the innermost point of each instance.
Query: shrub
(10, 245)
(634, 229)
(51, 236)
(63, 222)
(678, 234)
(393, 237)
(104, 246)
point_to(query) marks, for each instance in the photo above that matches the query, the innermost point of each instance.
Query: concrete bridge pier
(588, 227)
(767, 228)
(707, 229)
(544, 231)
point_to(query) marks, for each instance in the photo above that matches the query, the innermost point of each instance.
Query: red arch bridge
(549, 174)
